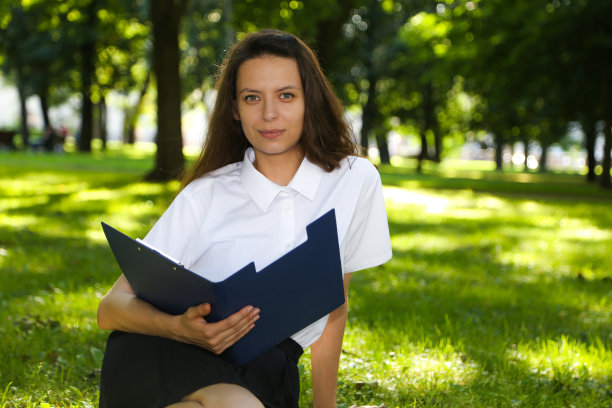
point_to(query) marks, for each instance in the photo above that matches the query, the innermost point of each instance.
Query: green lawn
(498, 294)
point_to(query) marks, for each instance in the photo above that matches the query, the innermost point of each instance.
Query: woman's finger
(230, 337)
(231, 330)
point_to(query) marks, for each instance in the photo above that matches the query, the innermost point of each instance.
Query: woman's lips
(271, 134)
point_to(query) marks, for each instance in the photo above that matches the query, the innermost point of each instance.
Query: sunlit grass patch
(564, 357)
(415, 364)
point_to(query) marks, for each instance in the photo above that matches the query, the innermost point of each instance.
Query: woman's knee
(224, 396)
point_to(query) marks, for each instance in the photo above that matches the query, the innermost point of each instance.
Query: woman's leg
(131, 374)
(219, 396)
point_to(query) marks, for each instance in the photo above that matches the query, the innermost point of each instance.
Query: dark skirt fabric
(146, 371)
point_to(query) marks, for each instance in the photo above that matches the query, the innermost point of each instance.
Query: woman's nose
(270, 111)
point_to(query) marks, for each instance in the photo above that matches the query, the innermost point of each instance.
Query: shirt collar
(263, 191)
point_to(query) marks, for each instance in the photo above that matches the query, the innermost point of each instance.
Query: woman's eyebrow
(248, 90)
(284, 88)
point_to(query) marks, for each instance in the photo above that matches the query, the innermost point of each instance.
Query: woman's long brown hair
(326, 137)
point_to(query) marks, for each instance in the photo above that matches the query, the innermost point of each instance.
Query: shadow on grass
(51, 262)
(52, 249)
(486, 312)
(51, 361)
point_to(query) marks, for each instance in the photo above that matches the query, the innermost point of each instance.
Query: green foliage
(206, 34)
(32, 52)
(498, 293)
(530, 63)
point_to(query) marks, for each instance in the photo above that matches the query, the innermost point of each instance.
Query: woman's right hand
(191, 327)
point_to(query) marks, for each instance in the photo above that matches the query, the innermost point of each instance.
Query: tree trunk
(423, 153)
(543, 167)
(499, 151)
(88, 54)
(606, 99)
(590, 135)
(25, 132)
(86, 133)
(430, 123)
(166, 16)
(132, 114)
(526, 153)
(437, 145)
(331, 28)
(605, 181)
(103, 133)
(368, 115)
(44, 107)
(383, 146)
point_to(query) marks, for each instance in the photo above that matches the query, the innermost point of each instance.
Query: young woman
(278, 155)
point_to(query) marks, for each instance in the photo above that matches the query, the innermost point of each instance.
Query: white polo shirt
(234, 215)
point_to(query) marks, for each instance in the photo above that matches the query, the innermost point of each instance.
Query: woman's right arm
(120, 309)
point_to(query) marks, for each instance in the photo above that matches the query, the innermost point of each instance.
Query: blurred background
(522, 85)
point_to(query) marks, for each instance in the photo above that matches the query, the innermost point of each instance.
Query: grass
(498, 294)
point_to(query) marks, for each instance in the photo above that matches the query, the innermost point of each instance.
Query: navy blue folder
(294, 291)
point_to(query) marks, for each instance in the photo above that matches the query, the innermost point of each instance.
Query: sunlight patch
(565, 358)
(422, 241)
(19, 203)
(396, 367)
(531, 207)
(431, 368)
(97, 195)
(491, 202)
(587, 234)
(18, 221)
(434, 205)
(472, 213)
(148, 188)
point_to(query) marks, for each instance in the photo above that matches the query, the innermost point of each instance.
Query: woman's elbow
(103, 315)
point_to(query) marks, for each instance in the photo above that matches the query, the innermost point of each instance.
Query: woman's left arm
(325, 355)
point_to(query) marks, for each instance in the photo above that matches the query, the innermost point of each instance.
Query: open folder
(294, 291)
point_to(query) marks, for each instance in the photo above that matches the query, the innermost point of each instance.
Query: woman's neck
(279, 169)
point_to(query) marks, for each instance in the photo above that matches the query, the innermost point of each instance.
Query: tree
(123, 61)
(67, 47)
(32, 56)
(426, 73)
(568, 46)
(166, 18)
(361, 65)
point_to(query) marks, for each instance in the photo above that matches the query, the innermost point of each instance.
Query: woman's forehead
(269, 72)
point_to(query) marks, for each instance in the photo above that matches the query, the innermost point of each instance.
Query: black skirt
(146, 371)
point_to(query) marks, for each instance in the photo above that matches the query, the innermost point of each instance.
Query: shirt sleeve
(368, 241)
(175, 231)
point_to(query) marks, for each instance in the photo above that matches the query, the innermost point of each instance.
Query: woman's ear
(235, 113)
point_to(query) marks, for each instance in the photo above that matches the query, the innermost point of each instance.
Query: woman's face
(270, 107)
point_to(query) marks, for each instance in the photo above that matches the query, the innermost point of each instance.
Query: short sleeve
(368, 243)
(174, 233)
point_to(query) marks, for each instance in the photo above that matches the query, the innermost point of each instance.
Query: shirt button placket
(287, 221)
